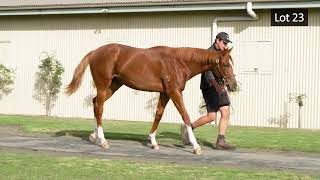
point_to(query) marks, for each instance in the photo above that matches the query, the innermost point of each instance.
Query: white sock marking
(100, 133)
(192, 138)
(153, 138)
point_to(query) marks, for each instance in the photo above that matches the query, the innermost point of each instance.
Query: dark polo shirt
(207, 77)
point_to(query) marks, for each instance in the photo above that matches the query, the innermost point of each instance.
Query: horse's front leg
(163, 100)
(177, 99)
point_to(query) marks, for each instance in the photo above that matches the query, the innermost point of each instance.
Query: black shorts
(213, 100)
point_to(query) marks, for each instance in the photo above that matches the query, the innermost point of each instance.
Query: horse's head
(223, 70)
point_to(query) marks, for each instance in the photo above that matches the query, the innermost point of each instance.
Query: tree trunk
(48, 109)
(299, 118)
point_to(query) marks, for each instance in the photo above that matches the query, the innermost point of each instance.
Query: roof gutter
(128, 9)
(251, 16)
(156, 8)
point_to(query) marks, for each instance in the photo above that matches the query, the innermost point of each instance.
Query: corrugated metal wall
(71, 37)
(263, 96)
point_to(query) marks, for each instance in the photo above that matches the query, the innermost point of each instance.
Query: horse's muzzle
(232, 87)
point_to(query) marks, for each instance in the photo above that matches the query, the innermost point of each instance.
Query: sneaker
(222, 145)
(184, 135)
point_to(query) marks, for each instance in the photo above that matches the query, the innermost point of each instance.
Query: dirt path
(11, 139)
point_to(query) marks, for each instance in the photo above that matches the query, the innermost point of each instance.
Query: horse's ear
(226, 51)
(229, 46)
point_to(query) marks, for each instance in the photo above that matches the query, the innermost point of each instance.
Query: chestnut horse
(158, 69)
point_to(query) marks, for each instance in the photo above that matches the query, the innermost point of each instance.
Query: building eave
(156, 8)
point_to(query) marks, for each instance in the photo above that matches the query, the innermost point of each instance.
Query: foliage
(237, 90)
(48, 81)
(282, 121)
(88, 99)
(297, 98)
(152, 103)
(7, 77)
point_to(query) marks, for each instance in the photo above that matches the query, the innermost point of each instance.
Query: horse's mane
(231, 59)
(195, 55)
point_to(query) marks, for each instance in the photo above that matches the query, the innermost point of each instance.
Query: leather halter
(222, 81)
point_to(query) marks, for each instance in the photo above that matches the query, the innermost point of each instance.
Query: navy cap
(223, 36)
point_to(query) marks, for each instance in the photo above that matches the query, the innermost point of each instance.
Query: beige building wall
(287, 59)
(263, 96)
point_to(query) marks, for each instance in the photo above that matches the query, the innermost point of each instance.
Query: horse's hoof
(93, 138)
(105, 145)
(155, 146)
(197, 151)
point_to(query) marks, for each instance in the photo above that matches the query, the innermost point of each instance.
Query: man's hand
(220, 89)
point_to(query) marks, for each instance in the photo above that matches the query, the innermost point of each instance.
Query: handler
(216, 99)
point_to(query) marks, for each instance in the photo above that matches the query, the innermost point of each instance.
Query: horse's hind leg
(98, 136)
(103, 93)
(163, 100)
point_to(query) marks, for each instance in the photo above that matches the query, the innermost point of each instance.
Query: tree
(282, 121)
(152, 103)
(88, 99)
(7, 77)
(298, 99)
(48, 81)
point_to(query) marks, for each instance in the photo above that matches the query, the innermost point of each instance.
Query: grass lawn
(298, 140)
(22, 166)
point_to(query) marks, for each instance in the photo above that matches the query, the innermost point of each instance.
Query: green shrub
(7, 77)
(48, 81)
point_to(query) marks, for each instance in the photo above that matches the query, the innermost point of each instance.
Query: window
(4, 52)
(256, 57)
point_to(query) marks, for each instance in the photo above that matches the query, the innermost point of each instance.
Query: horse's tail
(77, 75)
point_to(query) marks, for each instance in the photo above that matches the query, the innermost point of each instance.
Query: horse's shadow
(141, 138)
(83, 134)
